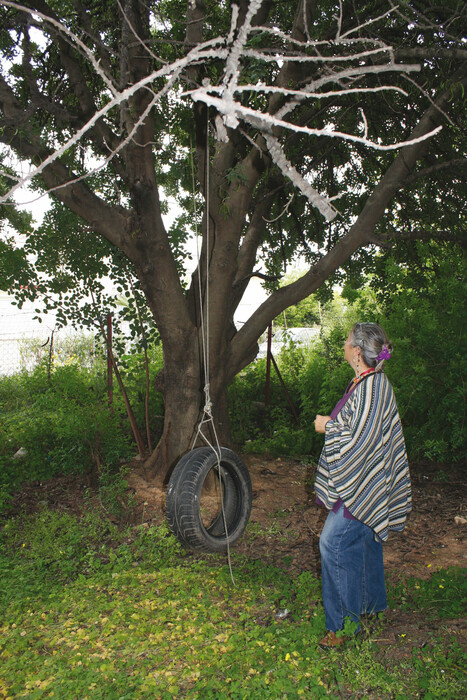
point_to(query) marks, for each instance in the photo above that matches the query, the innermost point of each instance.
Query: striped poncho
(364, 461)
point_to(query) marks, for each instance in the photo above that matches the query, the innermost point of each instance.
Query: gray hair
(370, 338)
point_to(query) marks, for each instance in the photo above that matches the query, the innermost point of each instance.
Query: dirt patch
(285, 521)
(63, 493)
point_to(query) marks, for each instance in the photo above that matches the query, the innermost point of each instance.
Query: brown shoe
(331, 640)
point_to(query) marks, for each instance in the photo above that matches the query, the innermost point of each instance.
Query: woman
(363, 480)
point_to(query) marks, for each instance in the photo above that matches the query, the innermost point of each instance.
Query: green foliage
(59, 415)
(443, 595)
(61, 422)
(315, 377)
(308, 312)
(67, 426)
(313, 384)
(69, 267)
(14, 266)
(422, 310)
(430, 672)
(113, 490)
(132, 370)
(423, 313)
(41, 552)
(51, 548)
(87, 610)
(64, 424)
(245, 407)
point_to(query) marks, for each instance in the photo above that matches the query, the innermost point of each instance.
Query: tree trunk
(196, 414)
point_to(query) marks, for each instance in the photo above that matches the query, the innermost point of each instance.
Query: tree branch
(437, 168)
(387, 240)
(360, 234)
(431, 53)
(196, 15)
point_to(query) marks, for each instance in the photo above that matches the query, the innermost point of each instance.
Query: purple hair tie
(385, 354)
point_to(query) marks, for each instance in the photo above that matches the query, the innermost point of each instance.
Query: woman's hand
(320, 423)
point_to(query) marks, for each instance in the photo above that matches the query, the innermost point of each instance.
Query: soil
(285, 524)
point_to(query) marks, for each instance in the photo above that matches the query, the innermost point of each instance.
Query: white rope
(207, 417)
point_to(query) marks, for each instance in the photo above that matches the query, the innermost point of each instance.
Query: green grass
(443, 595)
(88, 611)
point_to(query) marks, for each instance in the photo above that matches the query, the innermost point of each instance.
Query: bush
(422, 312)
(62, 424)
(424, 317)
(314, 386)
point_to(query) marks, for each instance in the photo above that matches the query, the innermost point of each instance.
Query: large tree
(281, 128)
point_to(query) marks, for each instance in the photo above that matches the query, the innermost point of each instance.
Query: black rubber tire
(183, 499)
(172, 494)
(215, 528)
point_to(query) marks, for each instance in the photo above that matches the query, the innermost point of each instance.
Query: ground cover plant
(89, 610)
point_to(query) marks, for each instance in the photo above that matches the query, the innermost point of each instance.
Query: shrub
(62, 423)
(313, 386)
(424, 317)
(422, 313)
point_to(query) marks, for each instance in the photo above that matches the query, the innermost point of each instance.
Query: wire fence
(25, 342)
(24, 350)
(17, 327)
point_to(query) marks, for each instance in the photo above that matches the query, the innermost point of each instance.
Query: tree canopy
(319, 130)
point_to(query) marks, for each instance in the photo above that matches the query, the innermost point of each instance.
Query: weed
(443, 595)
(440, 475)
(113, 491)
(274, 529)
(92, 611)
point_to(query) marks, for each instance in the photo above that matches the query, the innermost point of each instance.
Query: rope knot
(208, 402)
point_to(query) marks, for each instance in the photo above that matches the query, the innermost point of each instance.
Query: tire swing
(209, 516)
(208, 498)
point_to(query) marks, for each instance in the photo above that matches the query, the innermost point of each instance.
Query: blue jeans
(352, 570)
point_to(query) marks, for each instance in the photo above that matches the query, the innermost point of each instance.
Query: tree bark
(196, 409)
